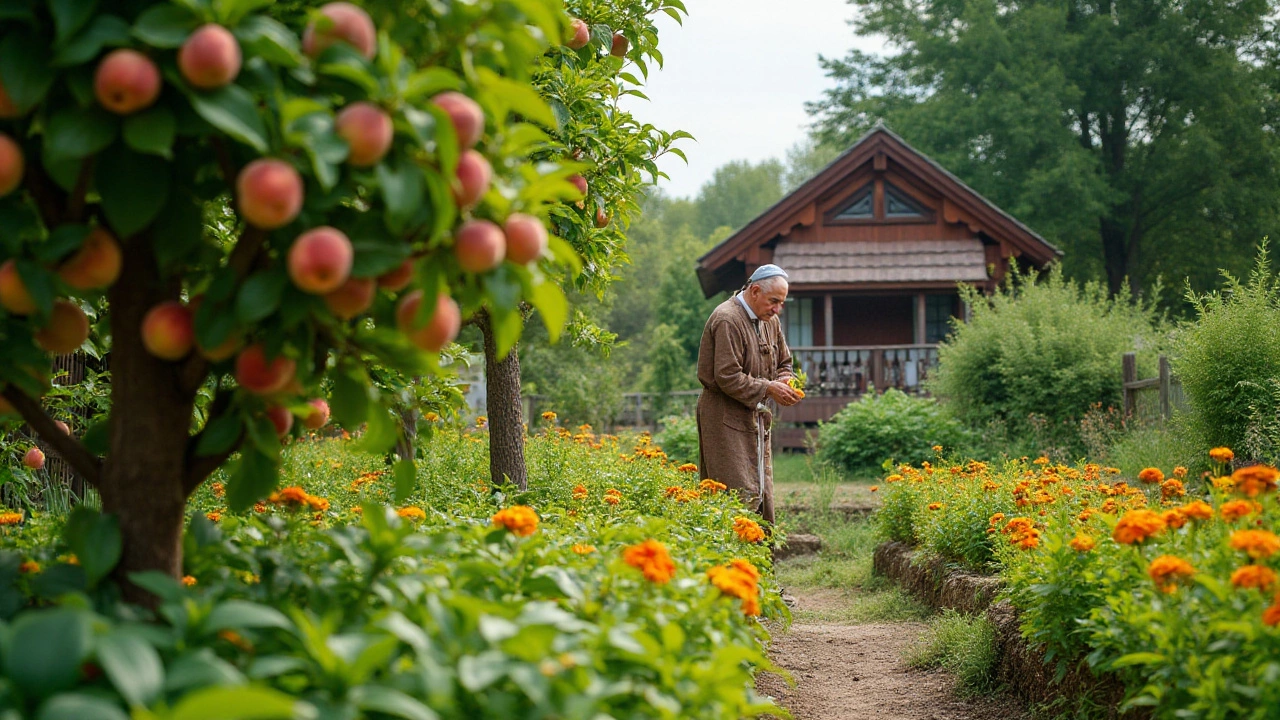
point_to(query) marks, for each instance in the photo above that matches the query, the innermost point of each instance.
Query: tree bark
(151, 415)
(506, 421)
(409, 433)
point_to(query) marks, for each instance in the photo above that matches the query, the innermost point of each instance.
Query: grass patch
(963, 645)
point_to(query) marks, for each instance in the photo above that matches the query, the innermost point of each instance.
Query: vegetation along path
(856, 644)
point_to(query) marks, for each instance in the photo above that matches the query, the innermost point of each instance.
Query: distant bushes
(679, 438)
(892, 425)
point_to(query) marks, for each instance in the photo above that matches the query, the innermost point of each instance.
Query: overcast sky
(737, 75)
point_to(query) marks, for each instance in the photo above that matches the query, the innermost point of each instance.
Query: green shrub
(1037, 355)
(893, 426)
(679, 438)
(1228, 360)
(964, 645)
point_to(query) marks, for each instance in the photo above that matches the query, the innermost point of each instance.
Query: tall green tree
(1137, 134)
(736, 193)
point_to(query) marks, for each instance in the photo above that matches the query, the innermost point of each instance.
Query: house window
(799, 317)
(862, 207)
(898, 204)
(937, 317)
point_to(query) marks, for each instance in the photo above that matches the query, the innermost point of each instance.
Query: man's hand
(782, 393)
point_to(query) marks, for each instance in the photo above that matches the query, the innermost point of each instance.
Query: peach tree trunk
(506, 418)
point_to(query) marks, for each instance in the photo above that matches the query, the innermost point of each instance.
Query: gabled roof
(798, 207)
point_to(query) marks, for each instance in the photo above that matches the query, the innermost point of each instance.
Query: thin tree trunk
(409, 426)
(506, 421)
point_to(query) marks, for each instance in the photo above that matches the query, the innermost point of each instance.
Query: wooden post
(827, 320)
(1165, 409)
(639, 409)
(1129, 372)
(920, 319)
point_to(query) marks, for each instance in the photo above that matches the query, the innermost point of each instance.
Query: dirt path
(855, 672)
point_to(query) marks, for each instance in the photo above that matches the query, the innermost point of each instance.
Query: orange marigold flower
(1174, 518)
(1151, 475)
(294, 496)
(1179, 472)
(651, 558)
(748, 530)
(1167, 570)
(482, 421)
(1017, 525)
(412, 512)
(1255, 479)
(188, 580)
(673, 491)
(1172, 488)
(712, 486)
(1222, 455)
(751, 607)
(1254, 576)
(583, 548)
(615, 499)
(732, 582)
(317, 503)
(1271, 616)
(29, 567)
(613, 491)
(549, 416)
(874, 488)
(1042, 460)
(1235, 509)
(1082, 543)
(580, 492)
(259, 507)
(1198, 510)
(213, 516)
(218, 489)
(688, 467)
(995, 519)
(893, 478)
(10, 518)
(935, 506)
(937, 448)
(1257, 543)
(1136, 526)
(1028, 539)
(521, 520)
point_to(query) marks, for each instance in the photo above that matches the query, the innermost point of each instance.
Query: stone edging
(1019, 667)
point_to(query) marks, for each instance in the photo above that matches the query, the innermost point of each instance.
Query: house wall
(872, 320)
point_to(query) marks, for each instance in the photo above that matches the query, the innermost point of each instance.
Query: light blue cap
(767, 271)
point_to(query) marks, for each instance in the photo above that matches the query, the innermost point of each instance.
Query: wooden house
(876, 245)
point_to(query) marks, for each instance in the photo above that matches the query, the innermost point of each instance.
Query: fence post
(1129, 367)
(1165, 410)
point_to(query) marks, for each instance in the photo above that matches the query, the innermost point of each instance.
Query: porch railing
(849, 370)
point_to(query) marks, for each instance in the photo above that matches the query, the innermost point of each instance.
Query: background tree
(1136, 135)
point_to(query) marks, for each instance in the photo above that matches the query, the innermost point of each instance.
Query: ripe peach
(579, 35)
(126, 81)
(34, 459)
(320, 260)
(8, 110)
(368, 132)
(12, 165)
(602, 218)
(96, 265)
(63, 426)
(439, 331)
(345, 23)
(526, 238)
(210, 58)
(479, 246)
(466, 115)
(619, 46)
(269, 193)
(398, 279)
(281, 418)
(474, 176)
(67, 329)
(579, 182)
(258, 376)
(13, 292)
(319, 417)
(354, 297)
(168, 330)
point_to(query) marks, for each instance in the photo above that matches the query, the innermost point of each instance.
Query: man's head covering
(765, 272)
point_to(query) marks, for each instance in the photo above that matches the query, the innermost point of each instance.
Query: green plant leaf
(402, 189)
(350, 399)
(133, 187)
(231, 12)
(260, 296)
(201, 669)
(165, 25)
(45, 650)
(241, 703)
(232, 110)
(62, 241)
(252, 479)
(75, 133)
(78, 706)
(406, 475)
(551, 304)
(101, 548)
(388, 701)
(1139, 658)
(25, 67)
(132, 665)
(69, 16)
(103, 31)
(380, 433)
(151, 131)
(238, 614)
(220, 435)
(266, 38)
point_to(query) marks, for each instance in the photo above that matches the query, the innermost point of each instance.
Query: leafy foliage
(887, 427)
(960, 644)
(679, 438)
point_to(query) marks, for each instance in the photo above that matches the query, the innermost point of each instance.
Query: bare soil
(855, 672)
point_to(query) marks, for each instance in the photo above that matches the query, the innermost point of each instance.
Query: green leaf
(406, 475)
(165, 25)
(201, 669)
(552, 305)
(177, 233)
(159, 584)
(62, 241)
(380, 434)
(260, 296)
(76, 706)
(270, 40)
(39, 284)
(431, 81)
(132, 665)
(101, 548)
(103, 31)
(133, 188)
(1139, 658)
(241, 703)
(239, 614)
(75, 133)
(374, 258)
(344, 62)
(69, 16)
(350, 399)
(151, 131)
(391, 702)
(25, 67)
(253, 478)
(220, 435)
(477, 672)
(233, 110)
(402, 190)
(231, 12)
(97, 439)
(45, 650)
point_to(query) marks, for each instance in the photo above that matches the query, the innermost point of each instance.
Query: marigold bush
(1176, 593)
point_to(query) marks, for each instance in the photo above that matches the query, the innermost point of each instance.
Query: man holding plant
(743, 360)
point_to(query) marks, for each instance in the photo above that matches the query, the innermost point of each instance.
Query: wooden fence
(1150, 400)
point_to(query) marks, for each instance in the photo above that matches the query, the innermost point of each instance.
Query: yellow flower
(711, 486)
(747, 530)
(188, 580)
(1254, 576)
(482, 421)
(614, 499)
(1167, 570)
(218, 489)
(651, 558)
(583, 549)
(1042, 460)
(1222, 455)
(688, 467)
(213, 516)
(937, 448)
(521, 520)
(1236, 509)
(1082, 543)
(580, 492)
(1172, 488)
(10, 518)
(1179, 472)
(549, 416)
(1136, 526)
(1257, 543)
(29, 567)
(430, 417)
(412, 512)
(995, 519)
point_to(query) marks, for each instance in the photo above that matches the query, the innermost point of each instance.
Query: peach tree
(259, 198)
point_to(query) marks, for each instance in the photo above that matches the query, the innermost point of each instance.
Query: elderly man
(743, 359)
